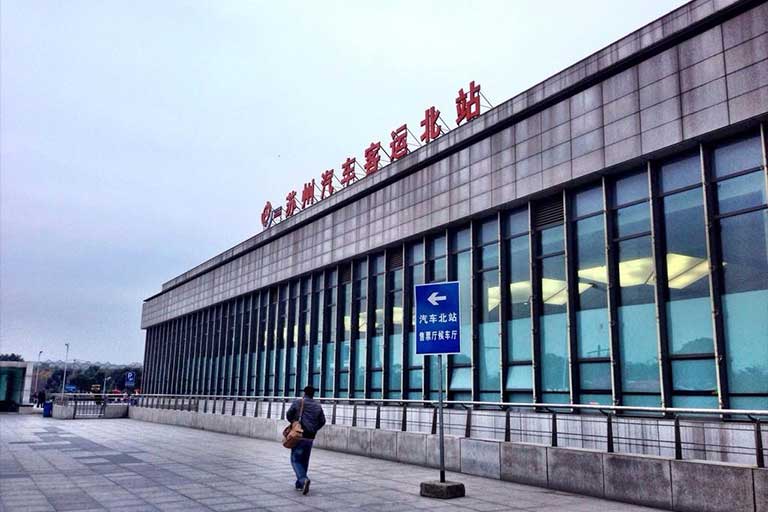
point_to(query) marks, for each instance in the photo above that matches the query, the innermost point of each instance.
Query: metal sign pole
(438, 332)
(440, 414)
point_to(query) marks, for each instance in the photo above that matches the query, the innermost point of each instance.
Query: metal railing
(87, 405)
(729, 435)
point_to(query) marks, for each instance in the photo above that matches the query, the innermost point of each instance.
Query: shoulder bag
(294, 432)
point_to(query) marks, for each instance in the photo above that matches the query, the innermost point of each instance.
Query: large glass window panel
(552, 240)
(633, 220)
(630, 189)
(396, 338)
(689, 310)
(737, 156)
(517, 223)
(554, 341)
(519, 344)
(694, 375)
(637, 317)
(489, 349)
(488, 232)
(519, 377)
(360, 293)
(741, 192)
(595, 376)
(745, 302)
(464, 277)
(461, 380)
(592, 311)
(489, 256)
(680, 173)
(588, 201)
(377, 340)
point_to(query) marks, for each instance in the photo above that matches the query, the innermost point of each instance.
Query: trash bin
(48, 409)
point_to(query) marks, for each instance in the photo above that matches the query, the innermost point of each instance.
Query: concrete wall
(731, 442)
(640, 479)
(63, 412)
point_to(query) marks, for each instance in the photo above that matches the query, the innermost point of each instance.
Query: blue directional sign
(70, 388)
(130, 379)
(437, 318)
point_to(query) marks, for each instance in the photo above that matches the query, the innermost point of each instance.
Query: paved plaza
(52, 465)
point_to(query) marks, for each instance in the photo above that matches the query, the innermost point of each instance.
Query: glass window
(464, 277)
(633, 220)
(737, 156)
(595, 376)
(689, 310)
(519, 324)
(588, 201)
(680, 173)
(694, 375)
(488, 232)
(554, 343)
(631, 189)
(552, 240)
(744, 241)
(489, 347)
(741, 192)
(517, 223)
(396, 337)
(638, 345)
(360, 326)
(592, 304)
(519, 377)
(461, 240)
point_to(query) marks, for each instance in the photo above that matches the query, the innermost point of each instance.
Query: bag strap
(301, 410)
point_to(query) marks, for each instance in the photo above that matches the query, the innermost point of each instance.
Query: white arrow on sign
(434, 298)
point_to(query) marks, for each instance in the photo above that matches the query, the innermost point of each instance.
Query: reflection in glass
(489, 346)
(638, 346)
(689, 309)
(554, 345)
(737, 156)
(745, 302)
(592, 310)
(741, 192)
(519, 324)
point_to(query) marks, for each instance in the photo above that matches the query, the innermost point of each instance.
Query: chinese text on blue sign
(437, 318)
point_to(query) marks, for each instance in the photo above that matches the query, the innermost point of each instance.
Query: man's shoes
(305, 490)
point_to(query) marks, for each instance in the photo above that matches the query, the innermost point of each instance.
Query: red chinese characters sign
(467, 109)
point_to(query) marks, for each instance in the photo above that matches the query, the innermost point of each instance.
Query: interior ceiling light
(684, 270)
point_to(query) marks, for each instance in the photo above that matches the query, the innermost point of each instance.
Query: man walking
(312, 420)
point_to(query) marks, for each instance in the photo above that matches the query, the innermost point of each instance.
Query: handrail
(616, 436)
(664, 411)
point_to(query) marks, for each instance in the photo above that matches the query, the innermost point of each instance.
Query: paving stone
(180, 469)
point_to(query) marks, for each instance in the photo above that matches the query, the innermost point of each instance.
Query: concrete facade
(650, 92)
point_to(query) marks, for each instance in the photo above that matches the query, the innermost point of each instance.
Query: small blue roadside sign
(70, 388)
(437, 318)
(130, 379)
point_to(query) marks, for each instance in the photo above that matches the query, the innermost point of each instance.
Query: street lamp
(104, 389)
(37, 372)
(66, 359)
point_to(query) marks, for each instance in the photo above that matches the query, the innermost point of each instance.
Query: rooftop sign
(467, 108)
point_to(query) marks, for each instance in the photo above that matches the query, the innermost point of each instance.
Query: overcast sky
(139, 139)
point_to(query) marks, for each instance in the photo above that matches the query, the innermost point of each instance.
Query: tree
(11, 357)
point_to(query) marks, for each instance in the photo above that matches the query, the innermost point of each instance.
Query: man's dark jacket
(312, 419)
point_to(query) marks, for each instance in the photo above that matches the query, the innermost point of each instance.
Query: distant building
(608, 226)
(15, 384)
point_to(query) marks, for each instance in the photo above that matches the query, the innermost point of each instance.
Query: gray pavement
(84, 465)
